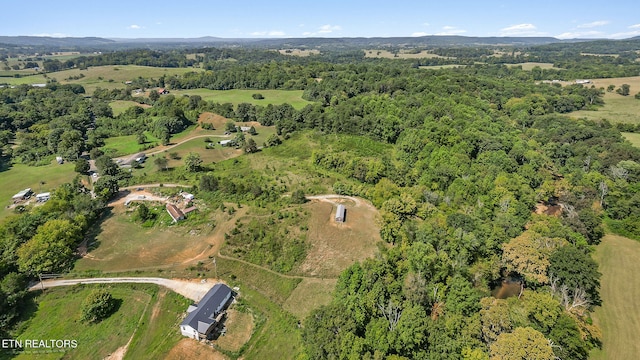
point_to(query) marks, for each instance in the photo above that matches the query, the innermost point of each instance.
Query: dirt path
(329, 197)
(189, 289)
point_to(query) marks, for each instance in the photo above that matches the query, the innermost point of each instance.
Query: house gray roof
(208, 308)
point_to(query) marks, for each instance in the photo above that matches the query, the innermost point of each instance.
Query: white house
(204, 317)
(42, 197)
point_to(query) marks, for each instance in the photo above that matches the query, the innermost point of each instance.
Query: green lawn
(58, 317)
(633, 138)
(119, 106)
(619, 261)
(126, 145)
(292, 97)
(21, 176)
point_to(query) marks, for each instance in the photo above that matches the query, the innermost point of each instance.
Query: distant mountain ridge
(344, 42)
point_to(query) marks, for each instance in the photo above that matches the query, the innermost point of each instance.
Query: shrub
(98, 305)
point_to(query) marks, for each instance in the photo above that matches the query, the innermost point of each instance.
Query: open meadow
(401, 54)
(147, 316)
(237, 96)
(38, 178)
(106, 77)
(619, 262)
(617, 108)
(633, 138)
(119, 106)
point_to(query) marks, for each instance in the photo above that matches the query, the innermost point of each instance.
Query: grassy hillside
(148, 314)
(634, 138)
(619, 261)
(617, 108)
(292, 97)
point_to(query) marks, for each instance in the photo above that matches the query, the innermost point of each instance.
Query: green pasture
(58, 317)
(619, 262)
(38, 178)
(126, 145)
(236, 96)
(119, 106)
(633, 138)
(617, 108)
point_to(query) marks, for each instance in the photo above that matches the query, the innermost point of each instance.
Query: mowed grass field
(402, 54)
(299, 52)
(619, 315)
(147, 314)
(617, 108)
(126, 145)
(119, 106)
(236, 96)
(633, 138)
(20, 176)
(106, 77)
(528, 66)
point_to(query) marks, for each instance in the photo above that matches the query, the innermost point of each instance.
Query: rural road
(189, 289)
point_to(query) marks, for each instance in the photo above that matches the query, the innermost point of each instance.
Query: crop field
(38, 178)
(619, 261)
(236, 96)
(402, 54)
(335, 246)
(147, 313)
(633, 138)
(617, 108)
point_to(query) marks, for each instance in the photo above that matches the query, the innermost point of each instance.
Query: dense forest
(473, 152)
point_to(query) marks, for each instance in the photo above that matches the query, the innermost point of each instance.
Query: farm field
(106, 77)
(235, 96)
(402, 54)
(126, 145)
(619, 262)
(528, 66)
(299, 52)
(119, 106)
(21, 176)
(617, 108)
(147, 313)
(633, 138)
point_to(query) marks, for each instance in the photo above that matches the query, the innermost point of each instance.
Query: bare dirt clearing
(334, 246)
(191, 349)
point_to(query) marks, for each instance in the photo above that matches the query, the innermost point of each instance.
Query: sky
(562, 19)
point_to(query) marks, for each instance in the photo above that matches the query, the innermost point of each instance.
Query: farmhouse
(204, 317)
(340, 213)
(245, 128)
(227, 142)
(175, 213)
(22, 195)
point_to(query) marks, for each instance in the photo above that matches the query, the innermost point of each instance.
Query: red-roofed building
(175, 213)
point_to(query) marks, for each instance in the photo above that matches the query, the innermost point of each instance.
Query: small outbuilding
(340, 213)
(227, 143)
(203, 318)
(175, 213)
(22, 195)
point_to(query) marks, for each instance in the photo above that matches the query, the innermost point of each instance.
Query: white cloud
(593, 24)
(451, 30)
(580, 34)
(54, 35)
(636, 26)
(268, 33)
(419, 33)
(323, 30)
(521, 30)
(626, 34)
(135, 27)
(328, 29)
(425, 24)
